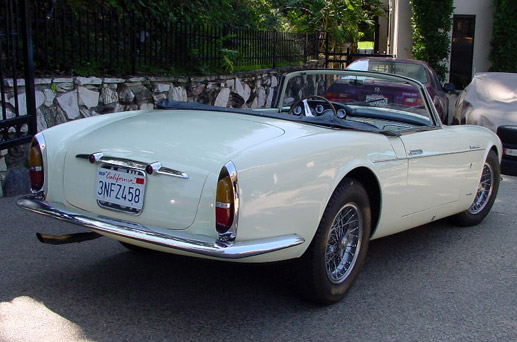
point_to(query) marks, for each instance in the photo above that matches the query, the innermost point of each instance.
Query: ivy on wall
(503, 53)
(431, 22)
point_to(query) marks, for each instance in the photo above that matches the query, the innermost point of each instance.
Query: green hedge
(503, 53)
(431, 22)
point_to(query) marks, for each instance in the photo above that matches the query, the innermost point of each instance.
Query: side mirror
(449, 87)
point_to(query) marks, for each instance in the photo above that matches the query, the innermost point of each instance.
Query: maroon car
(348, 91)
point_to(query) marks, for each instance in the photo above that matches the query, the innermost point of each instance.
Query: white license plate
(121, 190)
(510, 152)
(376, 100)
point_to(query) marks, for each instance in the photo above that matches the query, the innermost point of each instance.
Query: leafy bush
(431, 22)
(503, 53)
(344, 20)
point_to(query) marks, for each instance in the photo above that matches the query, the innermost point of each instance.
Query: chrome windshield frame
(428, 103)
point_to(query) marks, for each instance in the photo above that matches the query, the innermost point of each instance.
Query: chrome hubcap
(484, 190)
(343, 243)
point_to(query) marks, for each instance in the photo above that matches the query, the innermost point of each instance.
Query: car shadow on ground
(128, 284)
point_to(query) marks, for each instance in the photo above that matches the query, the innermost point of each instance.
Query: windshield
(386, 101)
(357, 90)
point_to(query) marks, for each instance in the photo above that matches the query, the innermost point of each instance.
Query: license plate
(510, 152)
(376, 100)
(121, 189)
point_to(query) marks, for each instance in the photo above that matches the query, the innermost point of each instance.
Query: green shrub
(503, 53)
(431, 22)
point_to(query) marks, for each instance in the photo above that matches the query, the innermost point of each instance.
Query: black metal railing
(104, 41)
(17, 107)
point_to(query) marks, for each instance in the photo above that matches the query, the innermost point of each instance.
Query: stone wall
(63, 99)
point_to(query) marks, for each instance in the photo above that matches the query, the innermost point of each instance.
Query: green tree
(342, 19)
(238, 13)
(503, 53)
(431, 22)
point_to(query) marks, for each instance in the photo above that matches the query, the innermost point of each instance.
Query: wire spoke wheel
(486, 193)
(343, 243)
(331, 264)
(484, 190)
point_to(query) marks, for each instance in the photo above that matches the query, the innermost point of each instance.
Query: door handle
(415, 152)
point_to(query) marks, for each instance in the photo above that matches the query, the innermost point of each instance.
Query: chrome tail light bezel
(39, 140)
(230, 234)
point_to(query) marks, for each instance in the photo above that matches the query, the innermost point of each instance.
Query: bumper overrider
(175, 240)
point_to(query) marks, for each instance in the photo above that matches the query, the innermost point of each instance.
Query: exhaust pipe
(69, 238)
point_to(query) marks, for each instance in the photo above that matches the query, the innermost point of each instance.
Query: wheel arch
(496, 151)
(369, 180)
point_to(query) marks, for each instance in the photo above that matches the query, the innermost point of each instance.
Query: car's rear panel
(169, 201)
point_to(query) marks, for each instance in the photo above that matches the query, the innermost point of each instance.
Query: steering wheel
(306, 110)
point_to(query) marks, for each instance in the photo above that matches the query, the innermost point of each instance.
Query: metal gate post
(29, 68)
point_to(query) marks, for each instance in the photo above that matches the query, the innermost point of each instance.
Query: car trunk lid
(193, 143)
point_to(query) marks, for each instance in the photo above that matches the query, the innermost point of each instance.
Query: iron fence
(105, 41)
(341, 56)
(17, 107)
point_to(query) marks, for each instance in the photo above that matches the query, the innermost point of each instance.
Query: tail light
(227, 203)
(36, 167)
(338, 97)
(412, 101)
(224, 204)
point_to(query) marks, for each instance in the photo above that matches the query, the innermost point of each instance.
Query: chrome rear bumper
(177, 240)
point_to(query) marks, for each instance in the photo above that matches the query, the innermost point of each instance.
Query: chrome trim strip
(173, 173)
(415, 152)
(177, 240)
(428, 155)
(412, 157)
(133, 164)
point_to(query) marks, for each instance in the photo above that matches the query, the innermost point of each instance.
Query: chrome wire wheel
(484, 190)
(343, 243)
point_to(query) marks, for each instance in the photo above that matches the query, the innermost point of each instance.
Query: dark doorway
(462, 50)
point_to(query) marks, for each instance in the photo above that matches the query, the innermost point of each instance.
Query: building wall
(399, 29)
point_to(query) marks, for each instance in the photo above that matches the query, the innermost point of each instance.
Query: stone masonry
(63, 99)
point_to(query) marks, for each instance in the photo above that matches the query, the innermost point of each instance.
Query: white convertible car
(310, 180)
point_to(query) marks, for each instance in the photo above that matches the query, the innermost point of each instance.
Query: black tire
(319, 278)
(485, 196)
(134, 248)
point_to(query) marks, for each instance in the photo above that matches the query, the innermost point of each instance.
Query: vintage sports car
(312, 181)
(401, 94)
